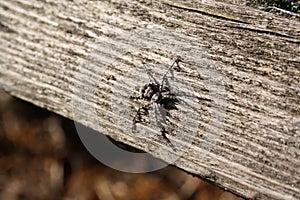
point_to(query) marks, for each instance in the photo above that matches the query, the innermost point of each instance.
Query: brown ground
(43, 158)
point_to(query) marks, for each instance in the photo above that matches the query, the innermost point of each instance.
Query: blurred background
(42, 157)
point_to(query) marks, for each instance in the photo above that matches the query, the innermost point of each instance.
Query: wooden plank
(238, 87)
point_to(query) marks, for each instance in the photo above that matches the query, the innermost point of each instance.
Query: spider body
(155, 93)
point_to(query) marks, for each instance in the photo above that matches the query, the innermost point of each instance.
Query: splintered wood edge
(71, 59)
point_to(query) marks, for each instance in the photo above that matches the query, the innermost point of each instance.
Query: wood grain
(238, 85)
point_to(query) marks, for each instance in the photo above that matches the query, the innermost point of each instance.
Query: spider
(158, 95)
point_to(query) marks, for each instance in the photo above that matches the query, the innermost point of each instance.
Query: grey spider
(159, 95)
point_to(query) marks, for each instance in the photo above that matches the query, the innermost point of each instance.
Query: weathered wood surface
(247, 79)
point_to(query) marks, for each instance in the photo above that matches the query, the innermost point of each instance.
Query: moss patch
(290, 5)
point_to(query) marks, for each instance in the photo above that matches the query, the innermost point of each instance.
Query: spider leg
(163, 133)
(136, 97)
(161, 112)
(178, 59)
(183, 98)
(160, 115)
(138, 115)
(185, 103)
(150, 76)
(138, 112)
